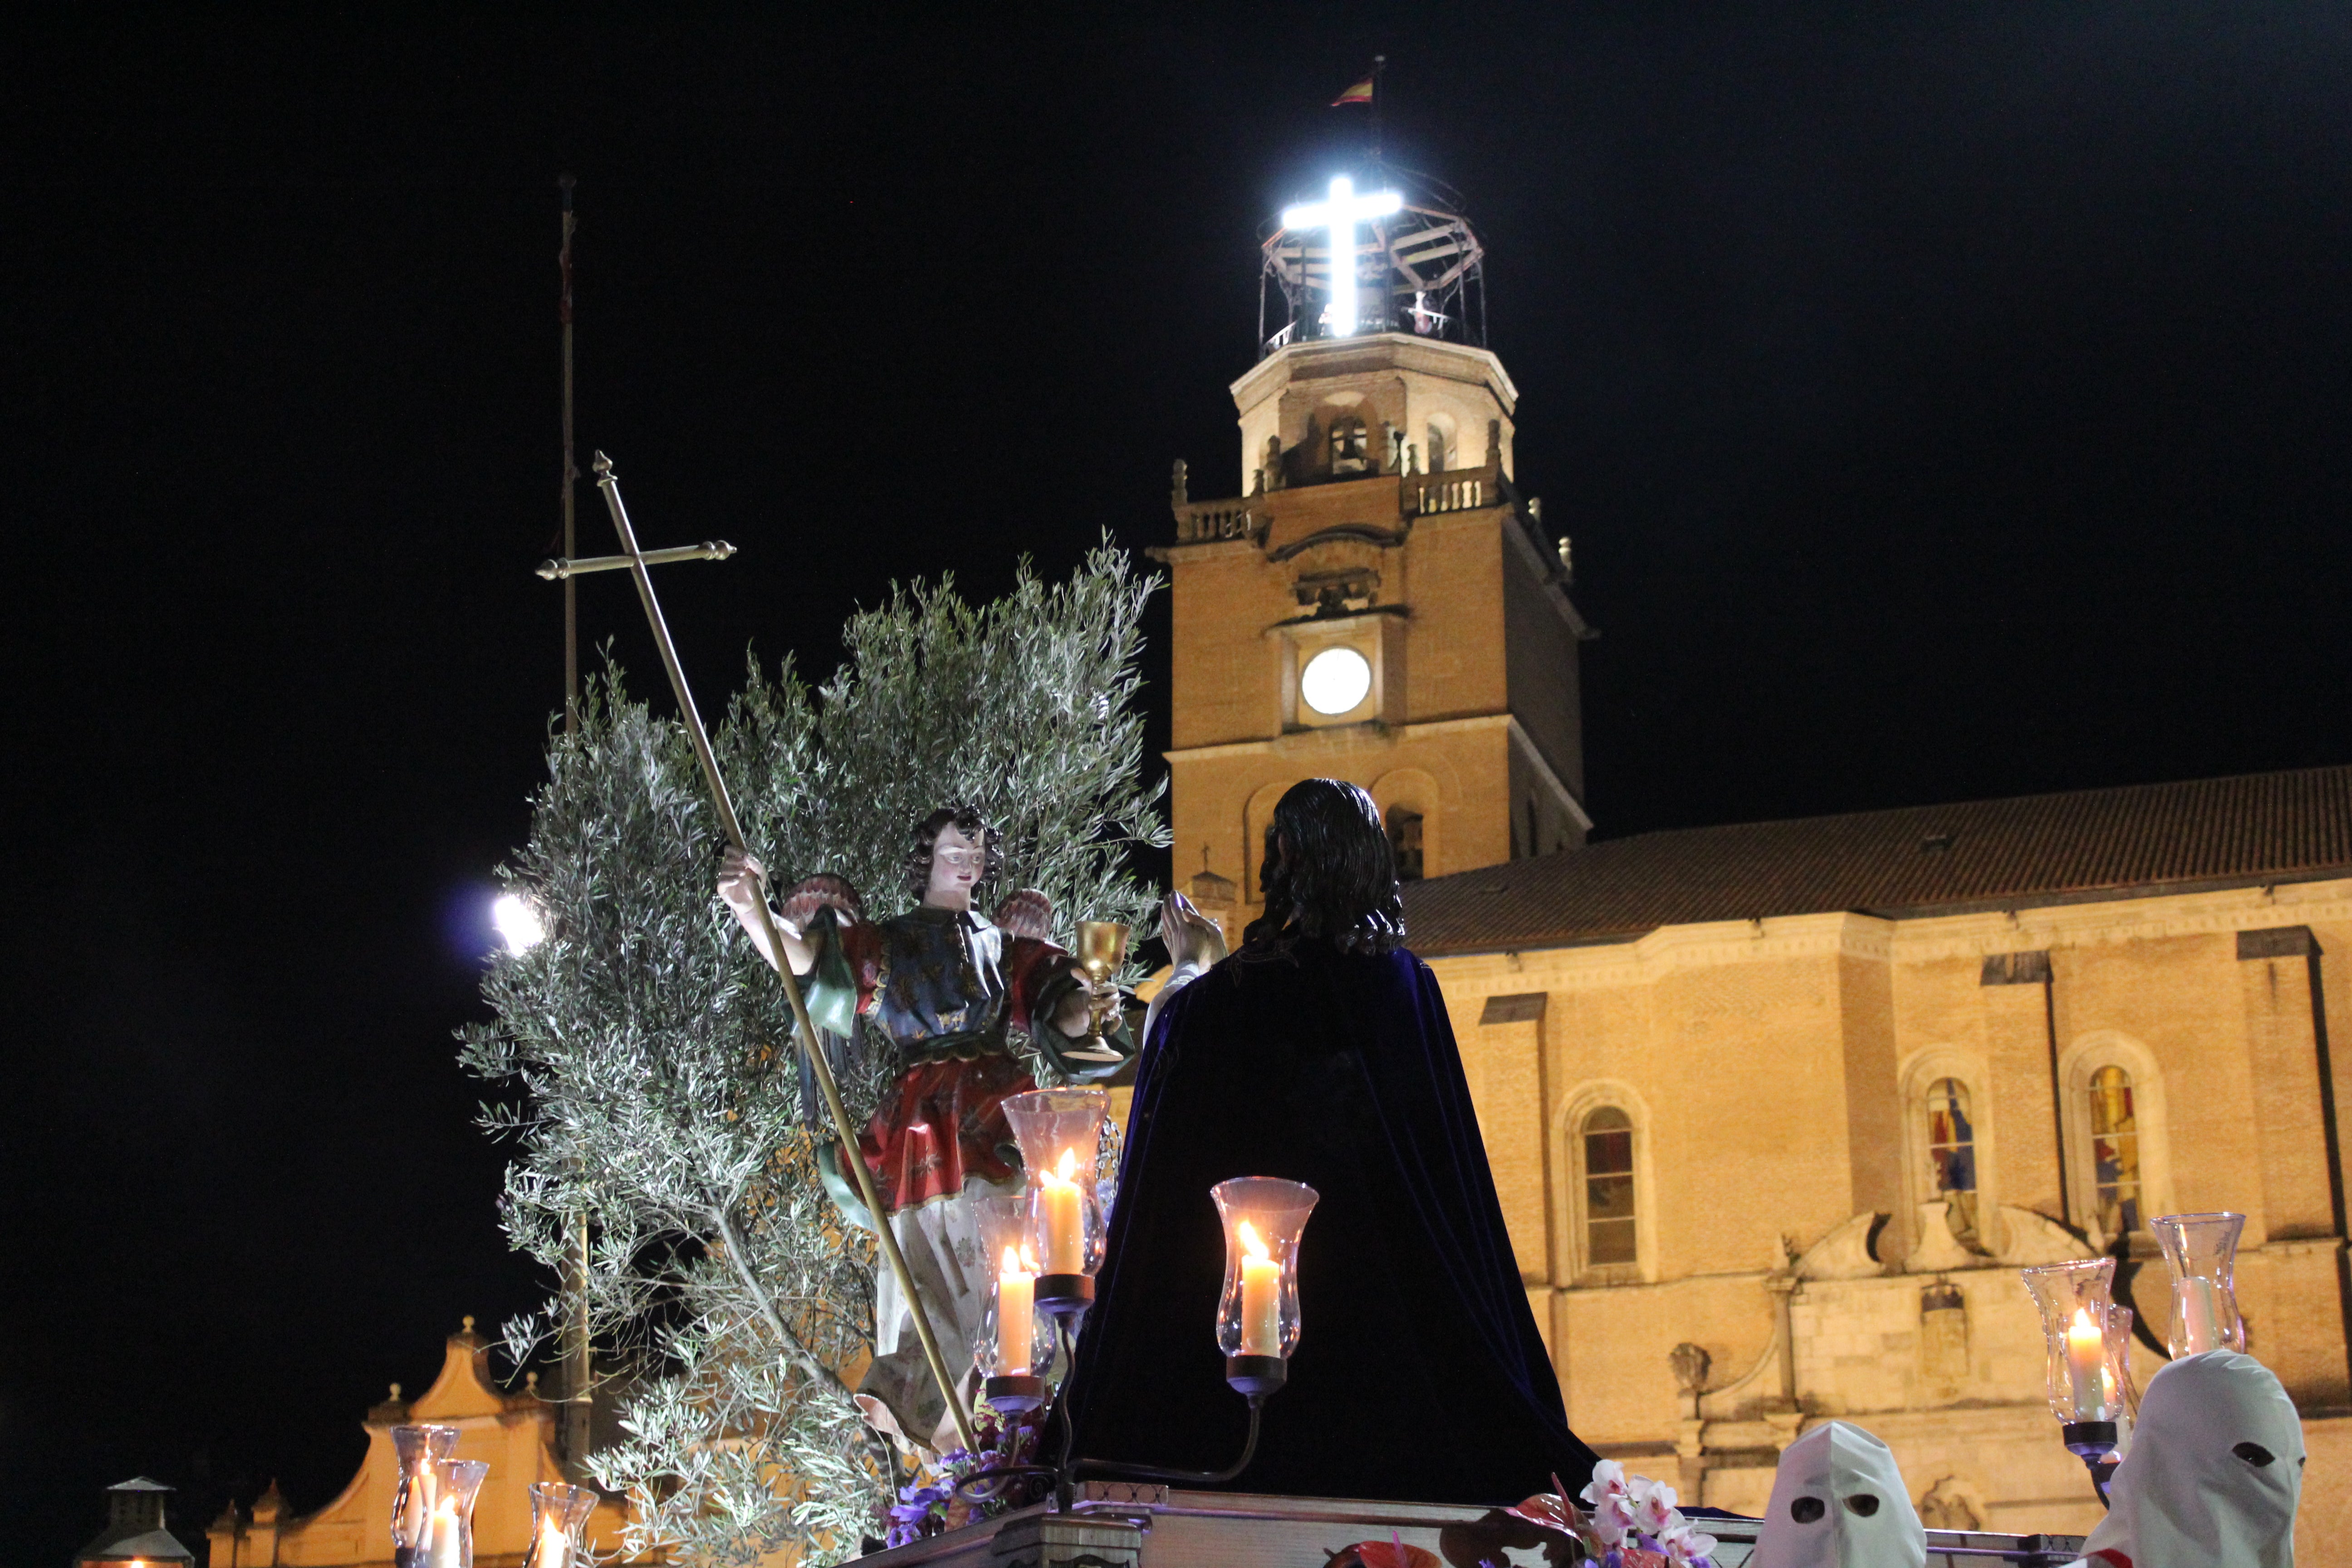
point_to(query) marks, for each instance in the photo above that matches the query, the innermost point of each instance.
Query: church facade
(515, 1433)
(1776, 1112)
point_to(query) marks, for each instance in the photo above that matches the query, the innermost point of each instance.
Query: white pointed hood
(2215, 1470)
(1839, 1502)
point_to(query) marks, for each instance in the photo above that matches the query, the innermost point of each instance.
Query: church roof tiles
(1937, 859)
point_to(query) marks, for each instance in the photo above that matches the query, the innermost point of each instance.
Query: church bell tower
(1381, 604)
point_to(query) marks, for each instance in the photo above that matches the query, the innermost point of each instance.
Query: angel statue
(946, 986)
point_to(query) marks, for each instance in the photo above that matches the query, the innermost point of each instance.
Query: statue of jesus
(1320, 1051)
(946, 985)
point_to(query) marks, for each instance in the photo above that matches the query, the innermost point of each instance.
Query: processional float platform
(1119, 1524)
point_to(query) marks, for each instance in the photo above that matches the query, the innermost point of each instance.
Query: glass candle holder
(2087, 1392)
(419, 1450)
(1258, 1316)
(1059, 1131)
(2119, 1333)
(1010, 1342)
(449, 1537)
(558, 1511)
(2201, 1250)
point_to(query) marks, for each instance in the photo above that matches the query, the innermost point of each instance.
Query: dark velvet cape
(1418, 1372)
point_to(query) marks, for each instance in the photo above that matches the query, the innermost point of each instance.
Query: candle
(1065, 1235)
(444, 1551)
(2086, 1365)
(553, 1549)
(1016, 1300)
(2200, 1315)
(416, 1519)
(1261, 1295)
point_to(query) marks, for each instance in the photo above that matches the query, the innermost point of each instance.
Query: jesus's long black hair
(1328, 871)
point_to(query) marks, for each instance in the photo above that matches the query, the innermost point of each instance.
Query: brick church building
(1778, 1110)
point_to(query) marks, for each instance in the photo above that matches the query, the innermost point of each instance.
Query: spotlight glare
(517, 922)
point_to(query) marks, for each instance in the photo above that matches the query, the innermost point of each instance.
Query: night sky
(1942, 406)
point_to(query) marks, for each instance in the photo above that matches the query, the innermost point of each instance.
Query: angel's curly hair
(1328, 871)
(965, 820)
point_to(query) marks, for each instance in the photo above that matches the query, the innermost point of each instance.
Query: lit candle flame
(1251, 1244)
(1011, 1266)
(2086, 1371)
(1069, 1163)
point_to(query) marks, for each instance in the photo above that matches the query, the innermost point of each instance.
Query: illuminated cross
(1340, 215)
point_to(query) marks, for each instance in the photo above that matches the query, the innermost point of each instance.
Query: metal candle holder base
(2091, 1439)
(1065, 1295)
(1255, 1376)
(2093, 1442)
(1015, 1393)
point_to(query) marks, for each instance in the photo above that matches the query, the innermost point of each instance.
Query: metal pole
(851, 1155)
(709, 550)
(571, 481)
(578, 1352)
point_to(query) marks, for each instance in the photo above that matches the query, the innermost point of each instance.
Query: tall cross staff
(638, 561)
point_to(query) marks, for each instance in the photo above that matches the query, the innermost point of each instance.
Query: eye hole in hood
(2254, 1454)
(1806, 1509)
(1864, 1503)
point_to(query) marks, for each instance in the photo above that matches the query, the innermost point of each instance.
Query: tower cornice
(1321, 358)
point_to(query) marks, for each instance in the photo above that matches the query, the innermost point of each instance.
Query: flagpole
(1379, 64)
(571, 477)
(579, 1363)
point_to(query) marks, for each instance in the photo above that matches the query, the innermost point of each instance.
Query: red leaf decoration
(1552, 1511)
(1383, 1555)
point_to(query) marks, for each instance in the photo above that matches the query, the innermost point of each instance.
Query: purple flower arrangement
(929, 1505)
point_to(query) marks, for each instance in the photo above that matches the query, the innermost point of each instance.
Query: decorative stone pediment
(1845, 1253)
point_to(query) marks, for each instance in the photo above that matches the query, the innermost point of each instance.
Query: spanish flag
(1359, 93)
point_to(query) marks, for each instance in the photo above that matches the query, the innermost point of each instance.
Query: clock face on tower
(1335, 681)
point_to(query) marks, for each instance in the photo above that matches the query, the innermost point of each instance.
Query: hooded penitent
(1839, 1502)
(2214, 1473)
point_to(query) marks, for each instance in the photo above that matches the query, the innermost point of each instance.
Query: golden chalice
(1102, 948)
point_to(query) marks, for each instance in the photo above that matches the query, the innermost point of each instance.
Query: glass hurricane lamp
(419, 1451)
(2088, 1371)
(1257, 1314)
(1011, 1348)
(1059, 1131)
(559, 1512)
(449, 1528)
(2201, 1250)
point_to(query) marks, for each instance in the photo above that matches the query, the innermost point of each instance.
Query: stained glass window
(1404, 842)
(2114, 1151)
(1609, 1186)
(1952, 1153)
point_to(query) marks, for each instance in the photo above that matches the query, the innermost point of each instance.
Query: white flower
(1654, 1506)
(1613, 1518)
(1608, 1478)
(1685, 1547)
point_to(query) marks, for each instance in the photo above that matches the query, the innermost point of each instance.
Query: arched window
(1349, 454)
(1404, 842)
(1608, 1187)
(1952, 1153)
(2114, 1151)
(1439, 458)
